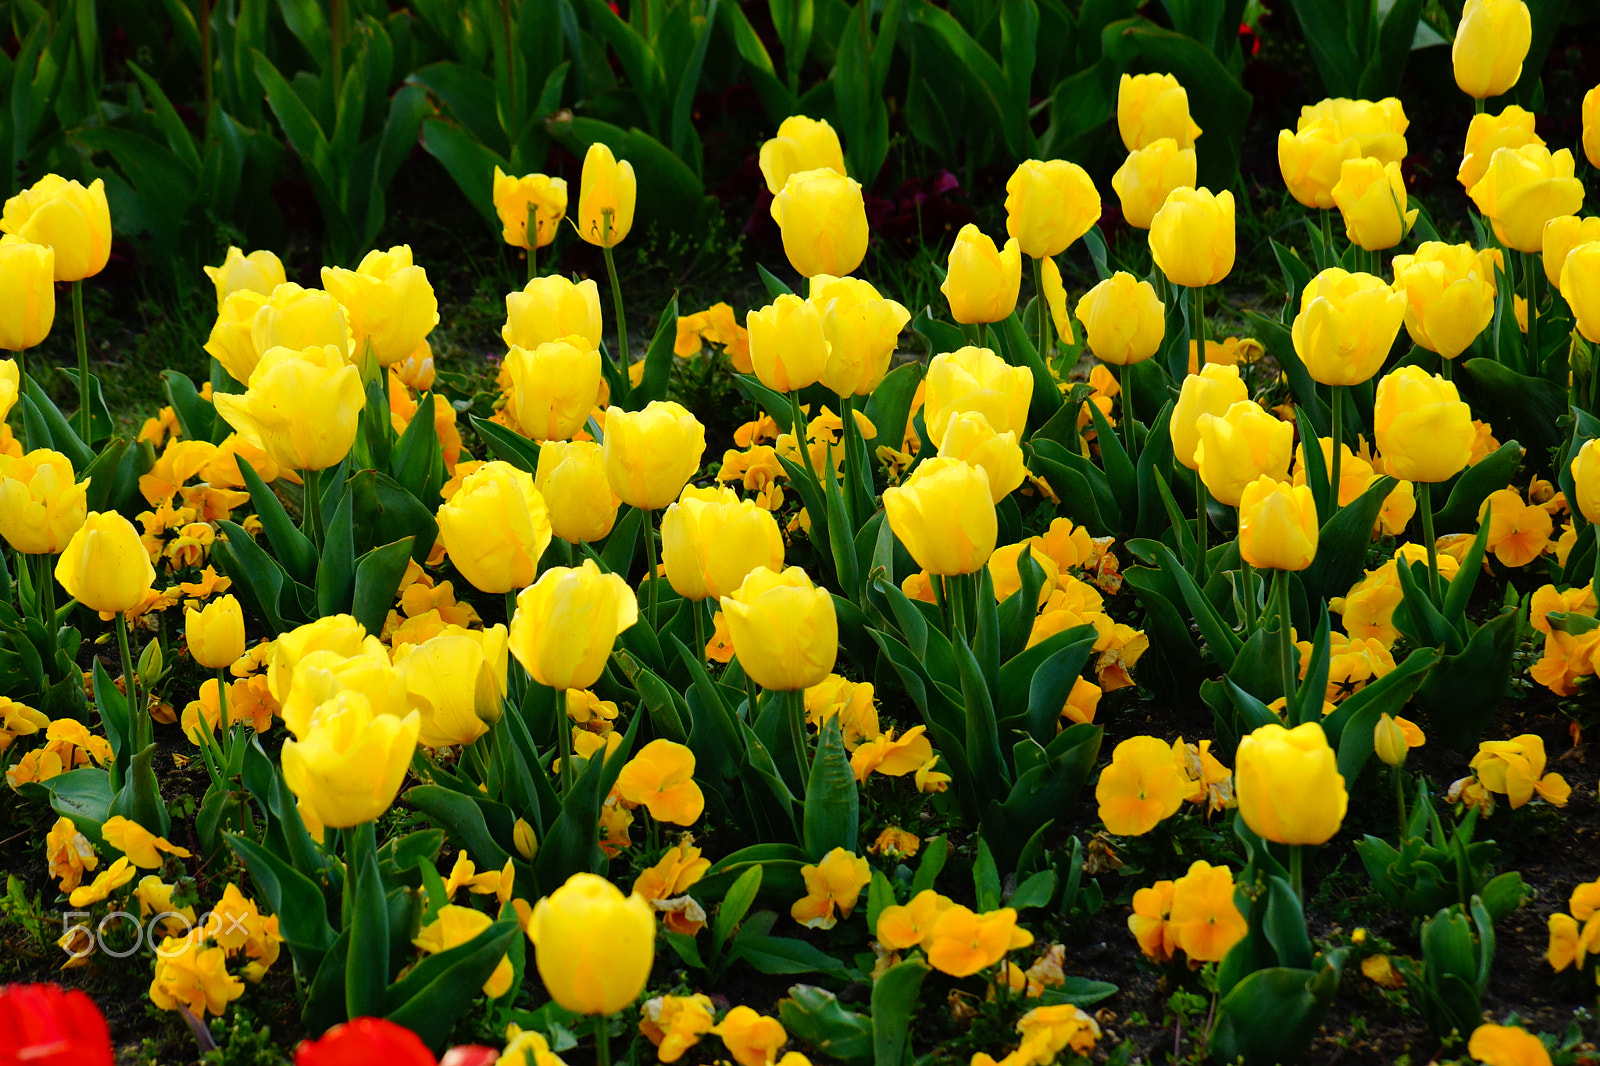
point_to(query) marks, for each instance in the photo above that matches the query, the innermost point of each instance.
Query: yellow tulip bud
(295, 317)
(787, 346)
(862, 329)
(944, 515)
(783, 628)
(1153, 106)
(1239, 446)
(1379, 127)
(607, 190)
(1580, 287)
(976, 379)
(823, 220)
(1277, 525)
(1191, 237)
(1211, 392)
(27, 293)
(1371, 197)
(551, 308)
(1389, 742)
(594, 946)
(348, 765)
(969, 437)
(536, 196)
(71, 219)
(1449, 299)
(1346, 326)
(1050, 205)
(459, 677)
(1288, 784)
(1561, 235)
(1423, 430)
(711, 540)
(1149, 175)
(801, 144)
(302, 407)
(215, 632)
(651, 454)
(1524, 188)
(104, 566)
(982, 281)
(388, 301)
(1586, 480)
(554, 387)
(1591, 126)
(1309, 160)
(1123, 320)
(1492, 40)
(1487, 134)
(527, 843)
(41, 506)
(495, 528)
(571, 477)
(566, 623)
(259, 272)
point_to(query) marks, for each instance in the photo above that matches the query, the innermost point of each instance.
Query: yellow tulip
(661, 779)
(969, 437)
(73, 220)
(1487, 134)
(651, 454)
(711, 540)
(388, 301)
(1591, 126)
(1277, 525)
(554, 387)
(1123, 320)
(1422, 428)
(1153, 106)
(566, 623)
(1050, 205)
(944, 515)
(295, 317)
(823, 221)
(783, 628)
(348, 765)
(1561, 235)
(10, 386)
(323, 674)
(41, 506)
(215, 632)
(550, 308)
(594, 946)
(1288, 784)
(335, 632)
(1389, 742)
(1149, 175)
(976, 379)
(982, 281)
(1491, 42)
(1371, 196)
(495, 528)
(1449, 300)
(259, 272)
(1523, 189)
(302, 407)
(459, 677)
(231, 342)
(1580, 287)
(787, 345)
(862, 329)
(1379, 127)
(1055, 298)
(1310, 159)
(571, 477)
(1191, 237)
(1586, 480)
(1346, 326)
(1239, 446)
(1210, 392)
(801, 144)
(607, 190)
(536, 196)
(104, 566)
(27, 293)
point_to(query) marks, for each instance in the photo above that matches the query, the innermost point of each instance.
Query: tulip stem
(1338, 437)
(224, 720)
(311, 512)
(941, 597)
(751, 695)
(1425, 505)
(958, 606)
(1125, 380)
(130, 683)
(1247, 604)
(794, 709)
(564, 740)
(84, 429)
(1531, 269)
(1400, 799)
(1202, 525)
(1297, 863)
(1445, 368)
(1280, 593)
(802, 441)
(650, 560)
(1197, 311)
(602, 1040)
(1044, 310)
(699, 612)
(616, 296)
(46, 593)
(1327, 234)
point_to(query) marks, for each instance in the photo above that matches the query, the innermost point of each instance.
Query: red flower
(43, 1025)
(364, 1042)
(470, 1055)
